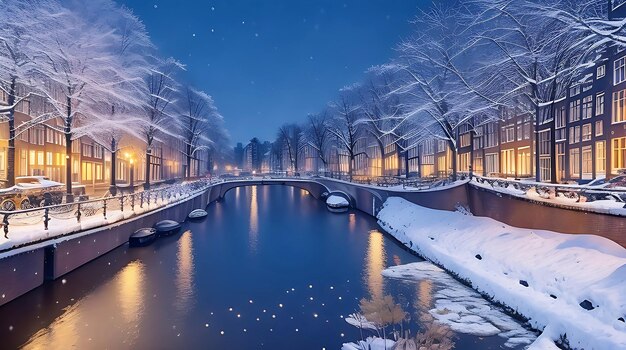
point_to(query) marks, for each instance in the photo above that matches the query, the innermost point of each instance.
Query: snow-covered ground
(337, 201)
(24, 229)
(543, 276)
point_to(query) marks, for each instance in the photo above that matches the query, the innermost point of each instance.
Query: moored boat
(197, 214)
(142, 237)
(167, 227)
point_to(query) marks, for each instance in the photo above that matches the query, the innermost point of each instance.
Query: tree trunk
(406, 164)
(537, 161)
(113, 184)
(188, 170)
(350, 167)
(11, 150)
(146, 184)
(68, 164)
(454, 163)
(419, 162)
(398, 156)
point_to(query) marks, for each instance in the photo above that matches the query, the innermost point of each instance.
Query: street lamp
(132, 176)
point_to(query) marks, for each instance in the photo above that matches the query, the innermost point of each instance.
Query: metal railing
(578, 193)
(80, 210)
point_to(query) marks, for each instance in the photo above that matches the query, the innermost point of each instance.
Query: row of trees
(465, 63)
(90, 69)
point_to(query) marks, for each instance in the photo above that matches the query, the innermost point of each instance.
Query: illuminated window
(574, 162)
(600, 157)
(619, 155)
(619, 114)
(587, 162)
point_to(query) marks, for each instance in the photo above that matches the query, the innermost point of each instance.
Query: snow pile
(337, 201)
(544, 276)
(371, 343)
(460, 307)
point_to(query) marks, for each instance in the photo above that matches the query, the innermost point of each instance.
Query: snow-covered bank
(542, 275)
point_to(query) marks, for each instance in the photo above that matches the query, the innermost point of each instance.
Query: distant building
(238, 151)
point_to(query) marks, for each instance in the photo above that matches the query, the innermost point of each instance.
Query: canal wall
(29, 266)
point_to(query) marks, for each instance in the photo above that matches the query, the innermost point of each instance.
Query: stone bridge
(366, 198)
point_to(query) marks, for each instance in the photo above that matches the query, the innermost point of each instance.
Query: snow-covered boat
(337, 204)
(197, 214)
(167, 227)
(142, 237)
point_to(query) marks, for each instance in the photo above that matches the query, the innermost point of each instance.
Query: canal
(269, 268)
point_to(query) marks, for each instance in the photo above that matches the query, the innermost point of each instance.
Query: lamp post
(132, 176)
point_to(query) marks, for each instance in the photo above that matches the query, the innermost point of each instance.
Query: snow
(600, 206)
(460, 307)
(371, 343)
(573, 268)
(337, 201)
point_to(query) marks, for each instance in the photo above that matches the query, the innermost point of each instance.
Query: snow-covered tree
(318, 137)
(346, 126)
(18, 48)
(291, 139)
(198, 116)
(158, 112)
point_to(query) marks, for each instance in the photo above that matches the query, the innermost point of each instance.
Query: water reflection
(64, 330)
(375, 264)
(254, 220)
(352, 222)
(130, 288)
(185, 272)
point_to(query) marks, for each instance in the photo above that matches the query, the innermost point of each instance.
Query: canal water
(269, 268)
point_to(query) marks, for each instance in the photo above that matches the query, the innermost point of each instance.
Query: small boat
(337, 204)
(167, 227)
(142, 237)
(197, 214)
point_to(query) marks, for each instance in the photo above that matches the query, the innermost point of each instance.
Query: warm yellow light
(126, 155)
(131, 161)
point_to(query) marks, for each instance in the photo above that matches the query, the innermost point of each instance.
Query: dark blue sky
(273, 61)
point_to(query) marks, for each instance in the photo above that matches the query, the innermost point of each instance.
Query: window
(442, 145)
(527, 131)
(519, 132)
(465, 139)
(492, 165)
(619, 74)
(587, 162)
(574, 134)
(619, 154)
(508, 161)
(600, 71)
(97, 151)
(560, 117)
(40, 158)
(49, 159)
(600, 104)
(574, 111)
(544, 142)
(524, 165)
(86, 171)
(491, 137)
(586, 135)
(575, 90)
(98, 172)
(574, 162)
(618, 106)
(588, 107)
(600, 157)
(508, 134)
(599, 128)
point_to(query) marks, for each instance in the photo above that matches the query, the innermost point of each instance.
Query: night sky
(273, 61)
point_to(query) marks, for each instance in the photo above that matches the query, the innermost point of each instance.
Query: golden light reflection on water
(375, 264)
(254, 220)
(130, 287)
(75, 327)
(351, 222)
(185, 272)
(303, 192)
(63, 330)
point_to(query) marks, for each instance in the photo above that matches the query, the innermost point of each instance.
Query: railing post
(141, 200)
(5, 223)
(78, 213)
(132, 202)
(122, 203)
(105, 208)
(46, 218)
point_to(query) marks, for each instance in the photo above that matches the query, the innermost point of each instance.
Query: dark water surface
(269, 268)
